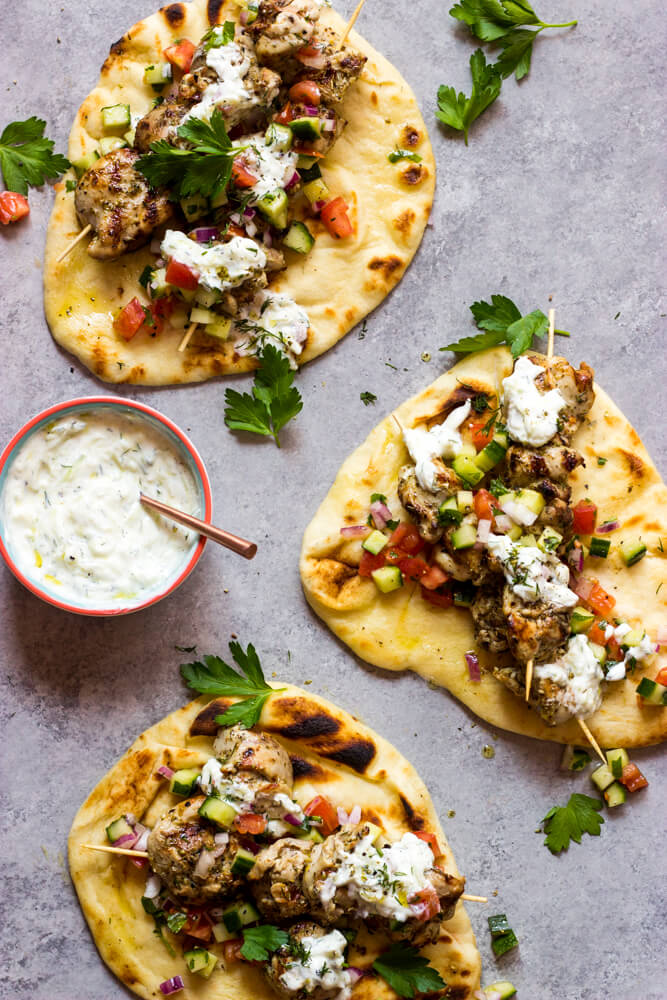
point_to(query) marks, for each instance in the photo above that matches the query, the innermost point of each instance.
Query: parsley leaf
(565, 823)
(217, 36)
(367, 398)
(274, 400)
(259, 941)
(216, 677)
(205, 168)
(503, 323)
(26, 156)
(407, 971)
(459, 111)
(403, 154)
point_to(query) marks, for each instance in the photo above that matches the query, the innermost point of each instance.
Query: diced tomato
(369, 563)
(130, 319)
(632, 778)
(406, 537)
(600, 601)
(251, 823)
(161, 309)
(480, 435)
(661, 677)
(181, 54)
(412, 567)
(308, 52)
(393, 555)
(425, 904)
(614, 650)
(484, 503)
(322, 807)
(181, 275)
(431, 840)
(306, 92)
(596, 632)
(441, 598)
(13, 206)
(335, 218)
(241, 176)
(197, 926)
(585, 516)
(234, 230)
(232, 950)
(285, 116)
(434, 578)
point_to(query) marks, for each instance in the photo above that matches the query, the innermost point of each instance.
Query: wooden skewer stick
(397, 422)
(474, 899)
(108, 849)
(550, 344)
(529, 678)
(591, 739)
(77, 239)
(350, 23)
(186, 339)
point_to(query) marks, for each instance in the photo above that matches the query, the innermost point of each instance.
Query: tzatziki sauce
(73, 522)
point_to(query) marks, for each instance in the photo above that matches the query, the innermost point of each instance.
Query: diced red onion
(327, 124)
(518, 512)
(205, 862)
(204, 234)
(602, 529)
(473, 666)
(249, 213)
(503, 523)
(250, 228)
(492, 995)
(315, 62)
(355, 530)
(174, 984)
(153, 886)
(342, 816)
(221, 839)
(292, 819)
(575, 558)
(131, 819)
(236, 218)
(582, 586)
(268, 239)
(311, 110)
(165, 771)
(356, 974)
(160, 262)
(380, 513)
(293, 181)
(355, 815)
(483, 530)
(127, 840)
(318, 206)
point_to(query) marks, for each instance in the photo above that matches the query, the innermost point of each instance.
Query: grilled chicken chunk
(489, 618)
(161, 122)
(535, 631)
(524, 466)
(575, 386)
(276, 879)
(183, 852)
(421, 503)
(281, 28)
(342, 67)
(245, 753)
(117, 201)
(545, 695)
(322, 983)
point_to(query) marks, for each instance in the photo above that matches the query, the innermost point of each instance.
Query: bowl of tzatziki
(72, 528)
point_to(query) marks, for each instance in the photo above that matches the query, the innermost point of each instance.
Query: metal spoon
(219, 535)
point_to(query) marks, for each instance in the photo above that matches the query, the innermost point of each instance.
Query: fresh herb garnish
(378, 498)
(204, 169)
(26, 156)
(407, 972)
(504, 21)
(503, 324)
(498, 488)
(459, 111)
(565, 823)
(186, 649)
(176, 921)
(145, 276)
(480, 403)
(403, 154)
(259, 941)
(218, 36)
(298, 951)
(367, 398)
(70, 185)
(274, 400)
(216, 677)
(601, 461)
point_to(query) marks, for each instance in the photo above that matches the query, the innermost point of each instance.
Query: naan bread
(400, 631)
(332, 754)
(338, 283)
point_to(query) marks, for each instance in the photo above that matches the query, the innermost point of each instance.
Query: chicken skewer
(77, 239)
(350, 23)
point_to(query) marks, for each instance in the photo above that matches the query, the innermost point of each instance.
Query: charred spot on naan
(412, 817)
(138, 785)
(204, 723)
(311, 724)
(386, 265)
(415, 174)
(463, 392)
(335, 583)
(213, 10)
(303, 768)
(116, 52)
(410, 137)
(634, 464)
(403, 223)
(174, 14)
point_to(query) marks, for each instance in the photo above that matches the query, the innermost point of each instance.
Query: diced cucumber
(306, 128)
(652, 692)
(278, 136)
(464, 594)
(464, 501)
(632, 552)
(312, 834)
(469, 450)
(449, 513)
(574, 759)
(387, 578)
(299, 238)
(239, 915)
(119, 828)
(194, 207)
(130, 136)
(602, 777)
(243, 862)
(617, 759)
(498, 925)
(183, 782)
(158, 283)
(581, 620)
(615, 795)
(217, 811)
(467, 469)
(204, 316)
(316, 191)
(527, 541)
(150, 905)
(220, 933)
(490, 455)
(502, 945)
(531, 499)
(503, 989)
(219, 328)
(501, 437)
(599, 652)
(306, 162)
(599, 547)
(375, 542)
(116, 116)
(308, 174)
(201, 961)
(110, 142)
(464, 537)
(549, 540)
(632, 638)
(207, 297)
(85, 162)
(273, 206)
(157, 75)
(219, 199)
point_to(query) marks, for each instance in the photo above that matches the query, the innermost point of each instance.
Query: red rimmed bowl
(180, 444)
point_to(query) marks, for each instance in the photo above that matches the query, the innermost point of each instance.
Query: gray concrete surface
(557, 194)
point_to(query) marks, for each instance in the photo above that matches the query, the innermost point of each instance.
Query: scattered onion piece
(473, 666)
(172, 985)
(165, 772)
(602, 529)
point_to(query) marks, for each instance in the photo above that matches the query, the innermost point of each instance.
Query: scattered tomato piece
(306, 92)
(596, 632)
(425, 904)
(407, 538)
(322, 807)
(434, 578)
(181, 275)
(181, 54)
(241, 176)
(632, 778)
(412, 567)
(480, 436)
(369, 563)
(197, 926)
(441, 598)
(335, 218)
(431, 840)
(585, 516)
(13, 206)
(232, 950)
(600, 601)
(661, 676)
(131, 317)
(251, 823)
(484, 503)
(285, 116)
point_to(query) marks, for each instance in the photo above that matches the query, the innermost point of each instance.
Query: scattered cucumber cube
(464, 501)
(157, 76)
(243, 862)
(615, 795)
(204, 316)
(387, 578)
(527, 541)
(183, 782)
(504, 989)
(599, 547)
(273, 206)
(466, 468)
(602, 777)
(632, 638)
(531, 499)
(599, 652)
(490, 455)
(207, 297)
(311, 173)
(116, 117)
(130, 136)
(549, 540)
(464, 537)
(375, 542)
(515, 532)
(632, 552)
(150, 905)
(581, 620)
(316, 190)
(278, 136)
(119, 828)
(201, 961)
(574, 759)
(617, 759)
(239, 915)
(306, 128)
(299, 238)
(498, 925)
(501, 945)
(110, 142)
(449, 513)
(219, 328)
(219, 812)
(194, 207)
(312, 834)
(220, 199)
(220, 933)
(85, 162)
(652, 692)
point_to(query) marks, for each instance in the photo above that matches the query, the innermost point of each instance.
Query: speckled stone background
(557, 194)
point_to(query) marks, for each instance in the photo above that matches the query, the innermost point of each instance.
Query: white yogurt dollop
(578, 673)
(219, 265)
(531, 416)
(322, 966)
(71, 509)
(442, 441)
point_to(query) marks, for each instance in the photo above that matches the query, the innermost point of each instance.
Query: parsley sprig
(215, 677)
(274, 400)
(407, 972)
(26, 156)
(565, 823)
(503, 324)
(459, 111)
(204, 168)
(258, 942)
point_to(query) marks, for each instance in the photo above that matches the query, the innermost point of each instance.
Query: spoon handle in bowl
(219, 535)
